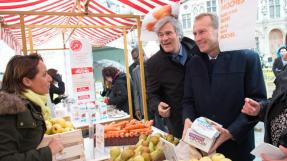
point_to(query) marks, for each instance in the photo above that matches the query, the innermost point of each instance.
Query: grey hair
(175, 23)
(214, 19)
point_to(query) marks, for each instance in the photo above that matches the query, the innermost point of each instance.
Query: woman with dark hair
(23, 99)
(118, 94)
(57, 86)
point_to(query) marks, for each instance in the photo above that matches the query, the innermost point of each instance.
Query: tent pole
(143, 85)
(128, 74)
(23, 34)
(30, 40)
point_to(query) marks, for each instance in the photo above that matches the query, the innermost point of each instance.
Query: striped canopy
(10, 24)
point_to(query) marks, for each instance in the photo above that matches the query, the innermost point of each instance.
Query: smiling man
(165, 73)
(215, 86)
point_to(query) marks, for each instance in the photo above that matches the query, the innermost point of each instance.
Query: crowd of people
(185, 79)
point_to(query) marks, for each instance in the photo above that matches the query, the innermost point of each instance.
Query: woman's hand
(56, 146)
(267, 158)
(251, 107)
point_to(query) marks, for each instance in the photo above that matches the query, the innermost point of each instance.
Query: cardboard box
(73, 145)
(202, 134)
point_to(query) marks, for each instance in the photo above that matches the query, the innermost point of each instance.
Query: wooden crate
(73, 146)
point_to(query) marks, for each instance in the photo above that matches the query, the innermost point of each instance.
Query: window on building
(186, 21)
(211, 6)
(274, 8)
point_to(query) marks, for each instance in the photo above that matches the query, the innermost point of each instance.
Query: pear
(158, 134)
(139, 158)
(217, 157)
(115, 152)
(151, 147)
(156, 154)
(126, 154)
(145, 143)
(154, 139)
(145, 149)
(225, 159)
(205, 159)
(142, 137)
(146, 156)
(169, 138)
(175, 141)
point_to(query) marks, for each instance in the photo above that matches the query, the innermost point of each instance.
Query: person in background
(215, 86)
(57, 87)
(280, 61)
(118, 95)
(135, 56)
(23, 98)
(165, 73)
(106, 89)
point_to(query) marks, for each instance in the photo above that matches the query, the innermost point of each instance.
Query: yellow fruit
(56, 128)
(154, 139)
(225, 159)
(193, 160)
(217, 157)
(115, 152)
(205, 159)
(69, 124)
(126, 154)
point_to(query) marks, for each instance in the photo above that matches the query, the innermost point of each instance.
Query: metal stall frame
(22, 26)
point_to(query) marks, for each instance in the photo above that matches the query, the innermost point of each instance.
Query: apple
(57, 128)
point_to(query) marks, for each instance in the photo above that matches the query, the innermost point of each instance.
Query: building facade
(271, 25)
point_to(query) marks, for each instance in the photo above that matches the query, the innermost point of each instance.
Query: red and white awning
(97, 36)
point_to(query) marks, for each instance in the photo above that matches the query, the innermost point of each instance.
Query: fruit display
(147, 149)
(126, 132)
(58, 125)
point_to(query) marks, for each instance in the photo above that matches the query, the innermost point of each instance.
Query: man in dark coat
(216, 84)
(165, 73)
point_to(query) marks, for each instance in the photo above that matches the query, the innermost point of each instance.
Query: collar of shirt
(212, 57)
(181, 56)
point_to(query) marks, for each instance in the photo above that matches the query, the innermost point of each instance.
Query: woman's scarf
(40, 100)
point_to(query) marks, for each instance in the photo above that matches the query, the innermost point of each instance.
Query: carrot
(136, 126)
(133, 121)
(147, 129)
(111, 128)
(121, 124)
(149, 123)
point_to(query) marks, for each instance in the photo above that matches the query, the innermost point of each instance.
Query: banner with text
(237, 19)
(82, 71)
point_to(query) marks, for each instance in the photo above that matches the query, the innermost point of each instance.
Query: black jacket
(220, 95)
(273, 105)
(165, 83)
(21, 131)
(277, 66)
(119, 95)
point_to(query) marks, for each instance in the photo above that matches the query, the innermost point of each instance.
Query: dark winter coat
(274, 106)
(165, 79)
(60, 90)
(119, 94)
(219, 93)
(277, 66)
(21, 131)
